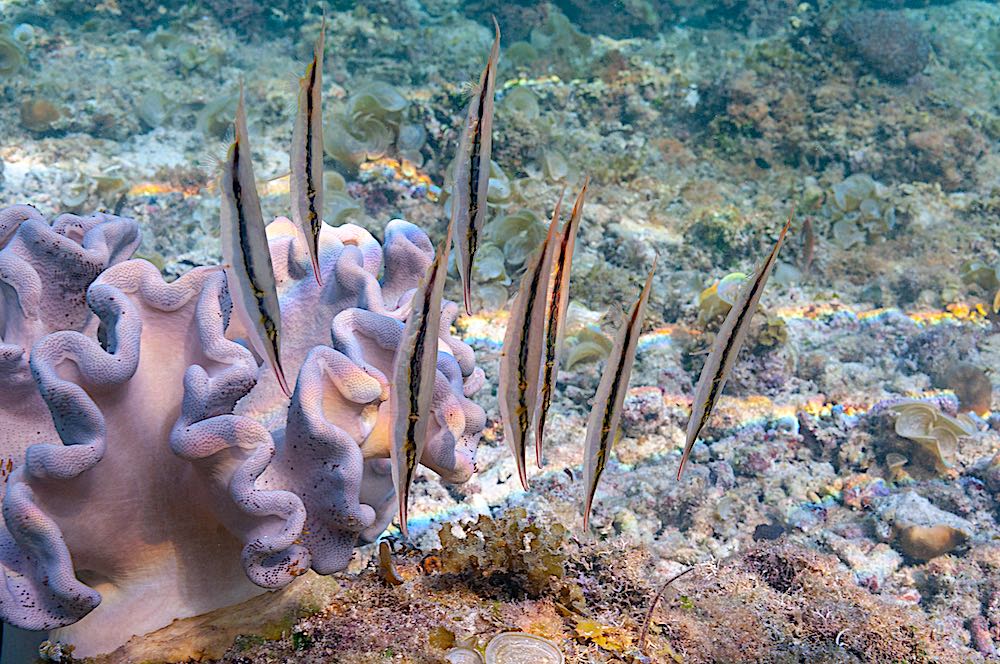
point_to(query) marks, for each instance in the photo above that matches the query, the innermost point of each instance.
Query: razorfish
(725, 349)
(306, 156)
(246, 254)
(602, 426)
(521, 361)
(414, 371)
(556, 315)
(472, 171)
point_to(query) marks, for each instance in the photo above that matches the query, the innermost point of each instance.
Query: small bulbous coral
(494, 552)
(560, 42)
(11, 57)
(39, 114)
(369, 125)
(522, 103)
(927, 542)
(935, 433)
(517, 234)
(859, 209)
(887, 42)
(716, 300)
(921, 530)
(152, 481)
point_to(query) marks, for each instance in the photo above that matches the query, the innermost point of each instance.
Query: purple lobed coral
(182, 472)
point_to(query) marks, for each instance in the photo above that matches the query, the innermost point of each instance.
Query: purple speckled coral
(182, 474)
(44, 274)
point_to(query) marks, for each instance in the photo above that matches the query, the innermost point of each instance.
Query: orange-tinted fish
(523, 342)
(306, 156)
(602, 426)
(414, 371)
(472, 171)
(726, 348)
(244, 249)
(558, 301)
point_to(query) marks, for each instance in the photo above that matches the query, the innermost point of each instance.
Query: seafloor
(820, 529)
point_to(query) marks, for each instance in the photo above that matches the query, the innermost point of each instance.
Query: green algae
(11, 57)
(522, 103)
(371, 124)
(859, 209)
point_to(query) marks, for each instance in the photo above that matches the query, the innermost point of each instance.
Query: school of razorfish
(529, 362)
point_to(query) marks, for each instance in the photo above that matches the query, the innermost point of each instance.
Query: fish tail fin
(279, 373)
(314, 257)
(588, 504)
(539, 430)
(684, 458)
(522, 472)
(467, 292)
(404, 498)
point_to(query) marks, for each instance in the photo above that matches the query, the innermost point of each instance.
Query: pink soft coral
(182, 473)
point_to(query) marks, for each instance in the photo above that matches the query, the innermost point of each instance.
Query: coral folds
(168, 476)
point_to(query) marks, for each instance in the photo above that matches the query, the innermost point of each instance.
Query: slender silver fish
(245, 252)
(602, 427)
(726, 348)
(306, 156)
(472, 171)
(558, 301)
(521, 361)
(414, 370)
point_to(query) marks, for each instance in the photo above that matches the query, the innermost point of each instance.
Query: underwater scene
(500, 331)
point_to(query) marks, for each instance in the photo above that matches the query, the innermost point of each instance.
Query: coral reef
(774, 602)
(887, 42)
(279, 488)
(696, 123)
(369, 125)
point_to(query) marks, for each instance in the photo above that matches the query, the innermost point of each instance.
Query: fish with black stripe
(556, 316)
(306, 156)
(472, 171)
(521, 360)
(726, 348)
(246, 254)
(606, 413)
(414, 371)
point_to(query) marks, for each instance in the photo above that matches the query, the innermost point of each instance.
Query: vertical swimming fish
(306, 156)
(414, 371)
(521, 361)
(558, 301)
(602, 426)
(472, 171)
(245, 252)
(726, 347)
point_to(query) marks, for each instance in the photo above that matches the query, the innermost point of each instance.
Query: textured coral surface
(162, 486)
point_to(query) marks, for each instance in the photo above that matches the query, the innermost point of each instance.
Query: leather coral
(173, 477)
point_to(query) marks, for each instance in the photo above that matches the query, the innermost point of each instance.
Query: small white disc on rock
(522, 648)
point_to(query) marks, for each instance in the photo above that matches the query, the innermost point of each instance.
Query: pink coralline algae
(184, 480)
